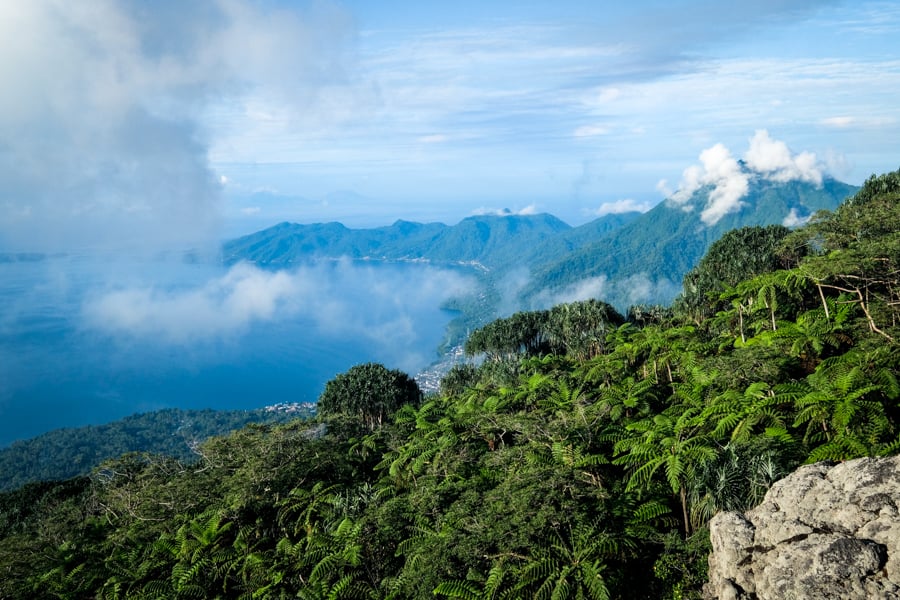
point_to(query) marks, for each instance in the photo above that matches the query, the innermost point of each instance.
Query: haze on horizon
(129, 125)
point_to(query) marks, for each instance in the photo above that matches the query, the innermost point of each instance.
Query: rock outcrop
(827, 531)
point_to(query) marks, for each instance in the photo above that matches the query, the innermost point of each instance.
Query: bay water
(90, 339)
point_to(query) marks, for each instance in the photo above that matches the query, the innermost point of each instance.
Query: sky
(170, 125)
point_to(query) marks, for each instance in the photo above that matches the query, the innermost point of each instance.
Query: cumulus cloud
(370, 302)
(102, 111)
(624, 205)
(775, 162)
(728, 180)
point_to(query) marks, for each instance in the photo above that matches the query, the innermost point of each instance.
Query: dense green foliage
(369, 393)
(65, 453)
(738, 255)
(551, 468)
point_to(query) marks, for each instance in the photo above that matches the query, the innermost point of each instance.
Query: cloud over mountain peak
(729, 178)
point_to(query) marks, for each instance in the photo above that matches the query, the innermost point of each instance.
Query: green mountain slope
(536, 261)
(65, 453)
(663, 244)
(572, 240)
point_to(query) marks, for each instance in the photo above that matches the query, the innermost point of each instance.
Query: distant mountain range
(486, 242)
(623, 259)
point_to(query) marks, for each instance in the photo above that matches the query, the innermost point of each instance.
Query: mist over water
(86, 340)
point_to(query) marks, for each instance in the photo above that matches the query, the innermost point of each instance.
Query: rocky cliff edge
(826, 531)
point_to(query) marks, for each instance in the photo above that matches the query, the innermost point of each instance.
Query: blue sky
(165, 122)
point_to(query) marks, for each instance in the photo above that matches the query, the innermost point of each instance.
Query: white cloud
(531, 209)
(662, 186)
(841, 122)
(590, 131)
(638, 289)
(794, 220)
(222, 306)
(729, 182)
(721, 172)
(847, 122)
(775, 162)
(433, 139)
(622, 206)
(102, 104)
(593, 287)
(330, 296)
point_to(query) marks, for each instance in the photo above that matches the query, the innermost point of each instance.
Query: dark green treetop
(738, 255)
(370, 392)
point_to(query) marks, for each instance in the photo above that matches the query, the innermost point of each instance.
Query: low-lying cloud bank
(378, 304)
(626, 291)
(729, 179)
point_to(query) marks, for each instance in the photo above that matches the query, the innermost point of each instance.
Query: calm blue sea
(87, 340)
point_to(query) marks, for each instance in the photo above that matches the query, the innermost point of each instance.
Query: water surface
(87, 340)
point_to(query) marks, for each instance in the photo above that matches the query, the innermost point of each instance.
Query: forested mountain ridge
(664, 243)
(659, 246)
(487, 240)
(581, 457)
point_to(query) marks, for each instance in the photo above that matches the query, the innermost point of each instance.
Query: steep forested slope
(581, 458)
(667, 241)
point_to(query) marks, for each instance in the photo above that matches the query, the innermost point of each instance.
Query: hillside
(485, 241)
(663, 244)
(65, 453)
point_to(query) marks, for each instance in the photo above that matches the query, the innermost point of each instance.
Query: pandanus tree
(369, 393)
(580, 329)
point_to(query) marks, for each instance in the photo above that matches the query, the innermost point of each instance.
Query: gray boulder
(825, 531)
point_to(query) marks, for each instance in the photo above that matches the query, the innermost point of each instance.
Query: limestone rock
(825, 531)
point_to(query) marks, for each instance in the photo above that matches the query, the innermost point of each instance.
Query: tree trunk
(684, 512)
